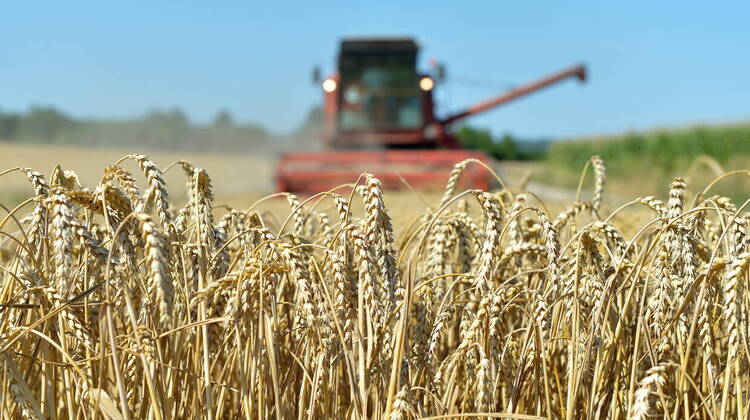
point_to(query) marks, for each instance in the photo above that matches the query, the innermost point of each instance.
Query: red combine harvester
(379, 117)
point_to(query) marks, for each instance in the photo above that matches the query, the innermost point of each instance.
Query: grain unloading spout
(578, 72)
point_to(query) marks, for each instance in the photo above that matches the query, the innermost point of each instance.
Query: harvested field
(237, 175)
(122, 299)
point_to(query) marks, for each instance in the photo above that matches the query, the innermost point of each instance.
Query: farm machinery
(379, 116)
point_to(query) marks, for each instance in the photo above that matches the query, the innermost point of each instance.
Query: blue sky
(651, 64)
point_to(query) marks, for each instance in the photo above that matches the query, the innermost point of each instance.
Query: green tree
(507, 148)
(45, 123)
(8, 125)
(476, 139)
(223, 119)
(170, 118)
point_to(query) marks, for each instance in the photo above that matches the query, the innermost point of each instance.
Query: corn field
(118, 303)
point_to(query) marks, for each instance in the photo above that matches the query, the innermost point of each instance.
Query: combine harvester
(379, 117)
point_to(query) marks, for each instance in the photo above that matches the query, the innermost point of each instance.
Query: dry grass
(120, 303)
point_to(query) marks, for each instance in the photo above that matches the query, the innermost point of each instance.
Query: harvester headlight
(426, 84)
(329, 85)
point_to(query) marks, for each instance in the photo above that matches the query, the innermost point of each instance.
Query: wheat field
(121, 301)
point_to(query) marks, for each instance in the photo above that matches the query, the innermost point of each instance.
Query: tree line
(171, 129)
(159, 129)
(506, 147)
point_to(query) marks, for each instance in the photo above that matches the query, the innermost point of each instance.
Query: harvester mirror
(440, 72)
(316, 75)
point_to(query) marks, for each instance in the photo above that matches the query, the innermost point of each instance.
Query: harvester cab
(378, 99)
(379, 117)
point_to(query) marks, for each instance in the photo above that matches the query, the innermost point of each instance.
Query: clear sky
(651, 63)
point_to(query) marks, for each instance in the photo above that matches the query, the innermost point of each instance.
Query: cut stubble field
(234, 175)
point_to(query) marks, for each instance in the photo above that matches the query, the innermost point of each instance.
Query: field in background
(668, 149)
(242, 179)
(236, 176)
(238, 180)
(644, 162)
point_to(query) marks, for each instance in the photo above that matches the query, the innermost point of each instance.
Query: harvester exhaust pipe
(578, 72)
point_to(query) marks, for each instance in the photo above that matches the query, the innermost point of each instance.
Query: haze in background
(651, 63)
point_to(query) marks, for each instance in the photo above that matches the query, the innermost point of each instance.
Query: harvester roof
(376, 45)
